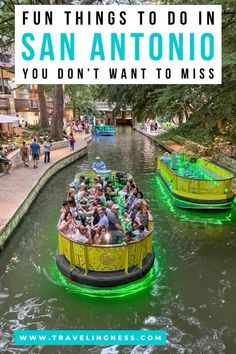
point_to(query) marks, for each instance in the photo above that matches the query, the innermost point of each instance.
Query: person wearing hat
(115, 227)
(98, 165)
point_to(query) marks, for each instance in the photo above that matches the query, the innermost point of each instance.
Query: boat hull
(104, 279)
(105, 133)
(104, 130)
(189, 202)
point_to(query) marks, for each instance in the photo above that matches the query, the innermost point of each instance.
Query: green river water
(191, 292)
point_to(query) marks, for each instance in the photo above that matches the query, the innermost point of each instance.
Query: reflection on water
(104, 139)
(191, 294)
(56, 277)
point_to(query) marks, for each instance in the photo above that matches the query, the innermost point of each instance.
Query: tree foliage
(82, 99)
(7, 15)
(208, 105)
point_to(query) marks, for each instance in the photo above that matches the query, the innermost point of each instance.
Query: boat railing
(218, 170)
(104, 258)
(104, 128)
(194, 185)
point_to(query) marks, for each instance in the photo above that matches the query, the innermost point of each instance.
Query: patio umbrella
(8, 119)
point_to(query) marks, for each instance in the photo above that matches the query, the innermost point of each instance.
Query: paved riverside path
(15, 187)
(169, 145)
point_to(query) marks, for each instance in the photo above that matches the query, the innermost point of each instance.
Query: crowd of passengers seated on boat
(104, 214)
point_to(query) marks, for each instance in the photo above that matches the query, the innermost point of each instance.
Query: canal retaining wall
(20, 208)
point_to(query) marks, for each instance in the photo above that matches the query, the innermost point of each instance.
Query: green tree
(43, 120)
(209, 106)
(7, 16)
(82, 99)
(58, 113)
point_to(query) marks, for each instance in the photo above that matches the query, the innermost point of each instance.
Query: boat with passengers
(104, 130)
(195, 183)
(114, 249)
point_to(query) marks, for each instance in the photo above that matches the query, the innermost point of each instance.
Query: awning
(6, 65)
(8, 119)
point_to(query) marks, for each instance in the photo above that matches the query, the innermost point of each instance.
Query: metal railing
(26, 104)
(194, 185)
(105, 258)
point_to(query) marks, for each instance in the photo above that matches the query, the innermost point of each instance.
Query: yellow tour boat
(105, 265)
(195, 183)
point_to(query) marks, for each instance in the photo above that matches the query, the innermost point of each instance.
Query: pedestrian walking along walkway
(15, 187)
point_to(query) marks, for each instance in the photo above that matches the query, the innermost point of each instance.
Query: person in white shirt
(82, 235)
(47, 148)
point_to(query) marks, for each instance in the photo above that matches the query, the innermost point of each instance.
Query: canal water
(191, 291)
